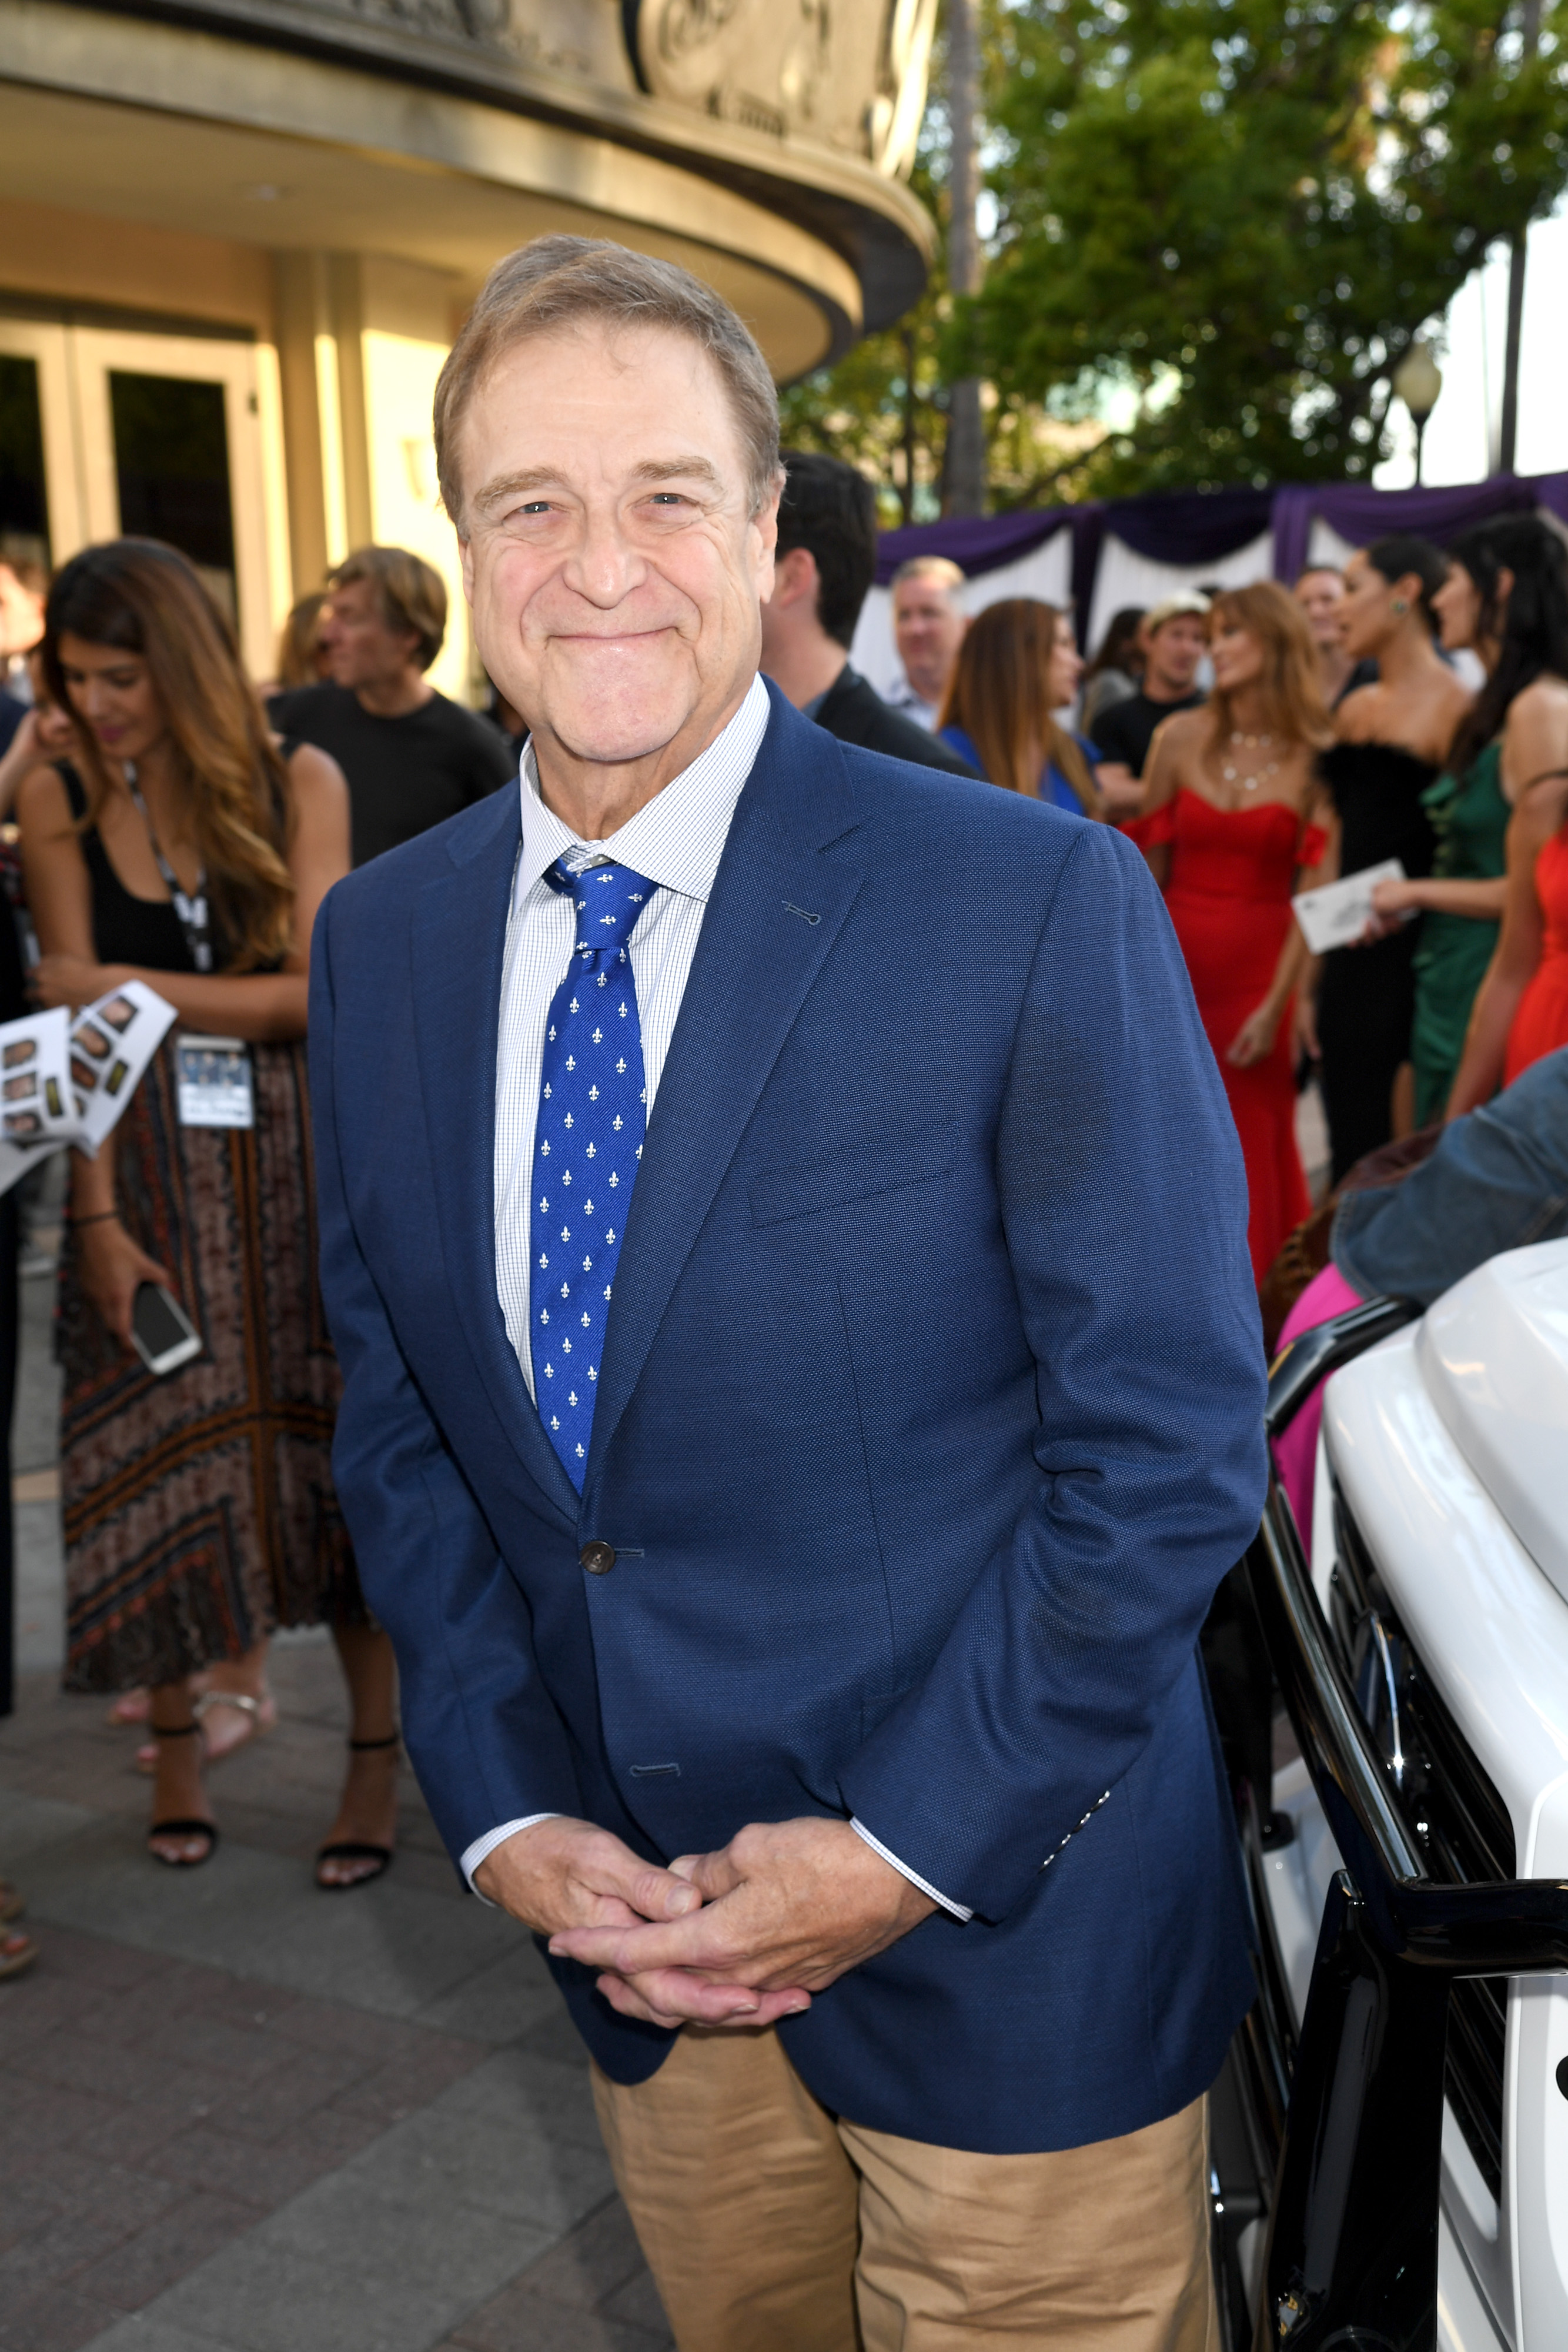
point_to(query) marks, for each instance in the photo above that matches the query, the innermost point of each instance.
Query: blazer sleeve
(483, 1735)
(1124, 1205)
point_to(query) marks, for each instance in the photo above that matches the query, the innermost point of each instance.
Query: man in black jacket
(825, 563)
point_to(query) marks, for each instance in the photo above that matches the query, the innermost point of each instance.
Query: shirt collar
(677, 839)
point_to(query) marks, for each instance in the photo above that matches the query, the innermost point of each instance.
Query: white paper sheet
(85, 1070)
(1337, 914)
(111, 1043)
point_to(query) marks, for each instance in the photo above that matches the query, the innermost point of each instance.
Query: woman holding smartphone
(188, 849)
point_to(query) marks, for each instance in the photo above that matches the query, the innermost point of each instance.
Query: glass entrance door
(166, 437)
(173, 438)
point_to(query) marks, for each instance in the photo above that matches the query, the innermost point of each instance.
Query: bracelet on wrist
(100, 1217)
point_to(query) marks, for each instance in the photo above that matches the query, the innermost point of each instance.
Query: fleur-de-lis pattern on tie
(587, 1144)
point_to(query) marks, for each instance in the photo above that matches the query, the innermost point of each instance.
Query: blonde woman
(192, 851)
(1230, 827)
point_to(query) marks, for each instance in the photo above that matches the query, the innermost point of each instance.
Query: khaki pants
(769, 2227)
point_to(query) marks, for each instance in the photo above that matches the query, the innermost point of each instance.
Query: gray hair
(557, 280)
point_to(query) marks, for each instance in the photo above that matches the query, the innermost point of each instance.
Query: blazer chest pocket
(860, 1175)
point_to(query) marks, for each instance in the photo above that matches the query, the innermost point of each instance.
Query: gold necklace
(1230, 768)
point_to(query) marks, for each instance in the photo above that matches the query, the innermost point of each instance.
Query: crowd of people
(943, 1294)
(181, 827)
(1257, 742)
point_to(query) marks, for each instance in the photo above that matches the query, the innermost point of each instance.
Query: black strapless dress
(1366, 1002)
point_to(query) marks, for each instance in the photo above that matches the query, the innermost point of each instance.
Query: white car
(1423, 2196)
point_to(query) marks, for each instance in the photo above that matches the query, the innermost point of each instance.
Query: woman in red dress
(1227, 827)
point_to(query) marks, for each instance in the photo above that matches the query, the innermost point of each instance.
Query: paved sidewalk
(237, 2115)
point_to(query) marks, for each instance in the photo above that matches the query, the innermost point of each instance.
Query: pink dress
(1296, 1454)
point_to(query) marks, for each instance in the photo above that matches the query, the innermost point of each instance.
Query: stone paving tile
(260, 2177)
(106, 2069)
(590, 2263)
(592, 2293)
(77, 2235)
(238, 2117)
(144, 2331)
(391, 2091)
(59, 2319)
(525, 2321)
(380, 2041)
(36, 2117)
(258, 1916)
(195, 2226)
(135, 2134)
(348, 2274)
(501, 2002)
(636, 2302)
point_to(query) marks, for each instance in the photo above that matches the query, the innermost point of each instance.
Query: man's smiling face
(611, 556)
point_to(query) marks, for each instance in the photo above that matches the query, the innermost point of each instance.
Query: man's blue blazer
(929, 1419)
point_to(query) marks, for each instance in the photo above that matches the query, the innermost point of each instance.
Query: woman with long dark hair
(1019, 666)
(1358, 1004)
(1504, 597)
(191, 850)
(1521, 1009)
(1113, 673)
(1230, 827)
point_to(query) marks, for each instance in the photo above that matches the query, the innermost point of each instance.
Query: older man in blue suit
(787, 1248)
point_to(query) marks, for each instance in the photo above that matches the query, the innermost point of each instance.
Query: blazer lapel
(776, 908)
(459, 948)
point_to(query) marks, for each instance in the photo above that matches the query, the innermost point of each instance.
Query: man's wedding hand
(789, 1906)
(564, 1874)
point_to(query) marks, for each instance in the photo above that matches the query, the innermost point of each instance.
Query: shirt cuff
(902, 1869)
(475, 1854)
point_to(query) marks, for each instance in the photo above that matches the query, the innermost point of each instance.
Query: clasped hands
(740, 1937)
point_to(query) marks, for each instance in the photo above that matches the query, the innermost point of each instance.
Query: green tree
(882, 406)
(1243, 211)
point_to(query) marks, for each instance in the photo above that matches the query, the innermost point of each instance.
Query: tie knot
(608, 901)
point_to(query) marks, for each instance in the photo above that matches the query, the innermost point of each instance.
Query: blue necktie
(587, 1144)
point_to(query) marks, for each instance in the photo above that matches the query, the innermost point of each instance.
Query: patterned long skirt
(199, 1509)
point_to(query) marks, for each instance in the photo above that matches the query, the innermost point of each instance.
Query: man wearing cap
(1174, 638)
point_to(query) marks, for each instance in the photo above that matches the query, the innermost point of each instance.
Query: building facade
(237, 238)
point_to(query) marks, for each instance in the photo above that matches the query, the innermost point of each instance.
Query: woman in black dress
(1359, 1001)
(189, 849)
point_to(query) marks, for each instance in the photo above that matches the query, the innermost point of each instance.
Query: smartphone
(162, 1332)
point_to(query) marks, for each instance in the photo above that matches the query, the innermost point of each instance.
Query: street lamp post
(1417, 381)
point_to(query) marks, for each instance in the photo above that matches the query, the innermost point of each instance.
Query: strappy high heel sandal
(182, 1828)
(356, 1849)
(258, 1714)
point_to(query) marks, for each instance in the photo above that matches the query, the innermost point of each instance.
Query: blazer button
(598, 1558)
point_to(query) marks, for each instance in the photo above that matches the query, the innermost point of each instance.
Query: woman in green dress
(1488, 603)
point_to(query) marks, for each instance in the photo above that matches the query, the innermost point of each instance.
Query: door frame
(65, 491)
(74, 366)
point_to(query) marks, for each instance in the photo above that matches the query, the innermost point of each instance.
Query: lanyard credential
(195, 920)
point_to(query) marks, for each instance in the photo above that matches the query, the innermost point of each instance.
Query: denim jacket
(1497, 1180)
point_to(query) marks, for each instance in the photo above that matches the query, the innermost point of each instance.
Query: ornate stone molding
(846, 77)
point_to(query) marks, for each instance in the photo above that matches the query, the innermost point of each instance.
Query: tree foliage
(1244, 210)
(882, 407)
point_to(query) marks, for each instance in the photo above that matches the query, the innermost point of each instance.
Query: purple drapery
(977, 542)
(1360, 514)
(1174, 527)
(1192, 528)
